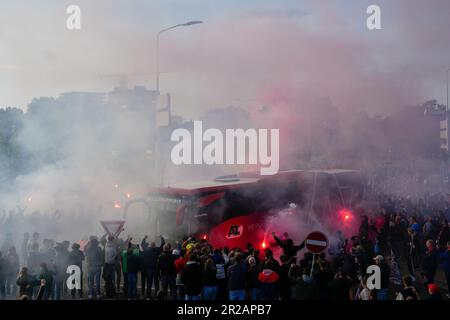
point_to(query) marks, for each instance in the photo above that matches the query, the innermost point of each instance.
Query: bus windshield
(170, 212)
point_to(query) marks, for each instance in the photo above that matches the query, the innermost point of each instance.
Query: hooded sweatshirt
(268, 284)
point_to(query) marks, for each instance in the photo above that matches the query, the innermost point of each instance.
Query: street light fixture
(187, 24)
(190, 23)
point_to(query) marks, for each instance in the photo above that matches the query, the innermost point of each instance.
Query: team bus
(235, 210)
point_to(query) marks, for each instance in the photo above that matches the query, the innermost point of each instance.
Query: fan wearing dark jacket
(289, 249)
(237, 276)
(26, 283)
(268, 284)
(94, 259)
(191, 277)
(429, 263)
(76, 257)
(150, 256)
(133, 266)
(165, 268)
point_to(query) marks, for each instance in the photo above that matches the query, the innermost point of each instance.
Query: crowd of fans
(409, 242)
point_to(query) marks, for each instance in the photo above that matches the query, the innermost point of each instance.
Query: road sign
(316, 242)
(113, 227)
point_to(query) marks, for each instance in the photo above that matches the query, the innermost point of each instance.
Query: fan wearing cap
(433, 292)
(385, 274)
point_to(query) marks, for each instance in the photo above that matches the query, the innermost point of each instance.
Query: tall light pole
(187, 24)
(160, 167)
(447, 131)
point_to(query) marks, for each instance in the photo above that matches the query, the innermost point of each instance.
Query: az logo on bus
(235, 232)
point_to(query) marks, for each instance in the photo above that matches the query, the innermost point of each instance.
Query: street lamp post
(167, 108)
(190, 23)
(447, 126)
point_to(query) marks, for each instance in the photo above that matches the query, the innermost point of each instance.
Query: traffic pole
(312, 267)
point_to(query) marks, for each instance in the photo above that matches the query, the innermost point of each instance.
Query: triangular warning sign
(113, 228)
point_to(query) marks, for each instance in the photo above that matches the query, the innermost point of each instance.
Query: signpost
(316, 242)
(113, 227)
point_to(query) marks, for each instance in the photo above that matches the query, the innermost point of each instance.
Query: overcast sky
(244, 52)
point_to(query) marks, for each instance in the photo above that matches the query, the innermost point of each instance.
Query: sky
(245, 52)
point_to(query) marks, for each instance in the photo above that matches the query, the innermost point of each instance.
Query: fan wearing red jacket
(268, 283)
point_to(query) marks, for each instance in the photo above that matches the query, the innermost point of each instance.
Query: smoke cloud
(298, 69)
